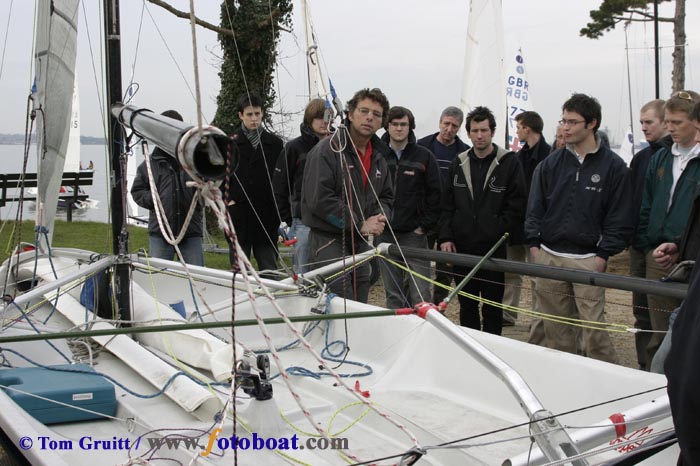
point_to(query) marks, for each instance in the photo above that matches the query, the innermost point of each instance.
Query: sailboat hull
(408, 370)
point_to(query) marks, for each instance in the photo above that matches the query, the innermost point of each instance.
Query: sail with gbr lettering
(518, 96)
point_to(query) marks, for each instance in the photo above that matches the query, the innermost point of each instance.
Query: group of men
(573, 206)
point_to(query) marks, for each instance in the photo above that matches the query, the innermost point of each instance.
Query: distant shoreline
(18, 139)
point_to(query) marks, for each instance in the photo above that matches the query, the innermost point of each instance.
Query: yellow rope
(351, 266)
(589, 324)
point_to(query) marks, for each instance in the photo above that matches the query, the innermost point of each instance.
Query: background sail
(626, 150)
(57, 29)
(317, 83)
(73, 148)
(518, 96)
(484, 75)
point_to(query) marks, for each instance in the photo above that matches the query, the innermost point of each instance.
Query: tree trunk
(678, 75)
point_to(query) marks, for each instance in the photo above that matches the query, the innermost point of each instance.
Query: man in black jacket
(529, 126)
(289, 174)
(484, 200)
(578, 215)
(416, 181)
(253, 209)
(651, 117)
(346, 193)
(446, 146)
(176, 198)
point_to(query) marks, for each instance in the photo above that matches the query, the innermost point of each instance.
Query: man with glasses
(347, 193)
(672, 179)
(485, 199)
(445, 145)
(651, 118)
(416, 181)
(578, 215)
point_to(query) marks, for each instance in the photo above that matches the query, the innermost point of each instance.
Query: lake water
(11, 157)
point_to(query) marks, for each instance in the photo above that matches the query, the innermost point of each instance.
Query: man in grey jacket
(347, 192)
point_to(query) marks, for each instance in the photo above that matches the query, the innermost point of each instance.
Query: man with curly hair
(347, 192)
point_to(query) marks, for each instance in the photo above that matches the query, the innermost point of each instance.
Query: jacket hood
(308, 134)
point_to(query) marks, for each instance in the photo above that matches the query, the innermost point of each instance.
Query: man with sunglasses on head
(672, 179)
(578, 215)
(416, 181)
(347, 192)
(683, 344)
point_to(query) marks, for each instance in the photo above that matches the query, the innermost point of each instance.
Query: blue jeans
(657, 364)
(301, 248)
(190, 247)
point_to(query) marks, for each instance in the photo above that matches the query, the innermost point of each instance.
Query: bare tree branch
(205, 24)
(642, 20)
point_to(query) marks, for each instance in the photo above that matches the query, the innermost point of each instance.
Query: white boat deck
(420, 379)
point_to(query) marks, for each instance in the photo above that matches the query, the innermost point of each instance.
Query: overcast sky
(413, 50)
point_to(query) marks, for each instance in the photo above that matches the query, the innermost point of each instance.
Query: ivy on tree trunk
(249, 57)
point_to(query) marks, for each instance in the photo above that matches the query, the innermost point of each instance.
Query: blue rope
(39, 332)
(113, 380)
(329, 355)
(194, 300)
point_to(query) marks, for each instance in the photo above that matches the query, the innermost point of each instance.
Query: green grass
(94, 236)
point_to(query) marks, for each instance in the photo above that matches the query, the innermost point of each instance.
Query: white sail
(57, 28)
(484, 75)
(73, 150)
(626, 150)
(518, 96)
(318, 87)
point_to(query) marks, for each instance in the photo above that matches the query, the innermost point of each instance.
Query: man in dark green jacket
(672, 179)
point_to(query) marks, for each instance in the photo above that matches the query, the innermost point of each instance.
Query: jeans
(301, 248)
(190, 247)
(657, 364)
(402, 288)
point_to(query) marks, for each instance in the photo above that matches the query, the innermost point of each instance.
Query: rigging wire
(522, 424)
(172, 56)
(198, 93)
(7, 33)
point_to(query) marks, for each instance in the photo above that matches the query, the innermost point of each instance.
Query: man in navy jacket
(578, 215)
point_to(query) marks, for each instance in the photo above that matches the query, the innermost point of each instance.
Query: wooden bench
(10, 188)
